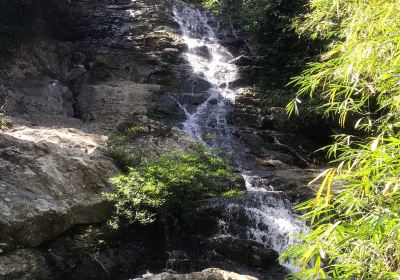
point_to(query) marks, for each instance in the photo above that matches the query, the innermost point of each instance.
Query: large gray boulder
(111, 102)
(50, 180)
(39, 94)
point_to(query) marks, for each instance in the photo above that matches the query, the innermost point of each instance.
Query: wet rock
(241, 82)
(232, 42)
(52, 176)
(166, 109)
(202, 51)
(295, 182)
(250, 73)
(192, 98)
(252, 140)
(196, 85)
(171, 54)
(75, 73)
(246, 117)
(213, 101)
(207, 274)
(266, 122)
(23, 265)
(244, 251)
(234, 45)
(242, 60)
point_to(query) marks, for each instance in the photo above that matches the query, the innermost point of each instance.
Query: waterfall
(209, 61)
(267, 215)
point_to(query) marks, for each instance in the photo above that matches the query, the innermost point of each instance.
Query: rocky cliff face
(88, 69)
(65, 90)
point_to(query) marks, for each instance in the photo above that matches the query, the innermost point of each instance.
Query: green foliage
(90, 242)
(355, 227)
(173, 184)
(94, 240)
(137, 198)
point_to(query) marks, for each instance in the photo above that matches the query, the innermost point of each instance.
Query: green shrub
(173, 184)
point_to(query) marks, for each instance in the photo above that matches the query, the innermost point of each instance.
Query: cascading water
(267, 216)
(210, 61)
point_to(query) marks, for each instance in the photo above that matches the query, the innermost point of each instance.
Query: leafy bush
(173, 184)
(355, 230)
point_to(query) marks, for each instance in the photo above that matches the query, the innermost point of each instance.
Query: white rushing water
(267, 216)
(209, 61)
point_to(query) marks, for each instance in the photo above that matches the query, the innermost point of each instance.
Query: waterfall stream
(267, 216)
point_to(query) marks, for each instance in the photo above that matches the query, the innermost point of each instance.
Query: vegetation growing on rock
(173, 184)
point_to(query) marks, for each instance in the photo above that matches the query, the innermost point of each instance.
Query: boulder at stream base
(207, 274)
(47, 187)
